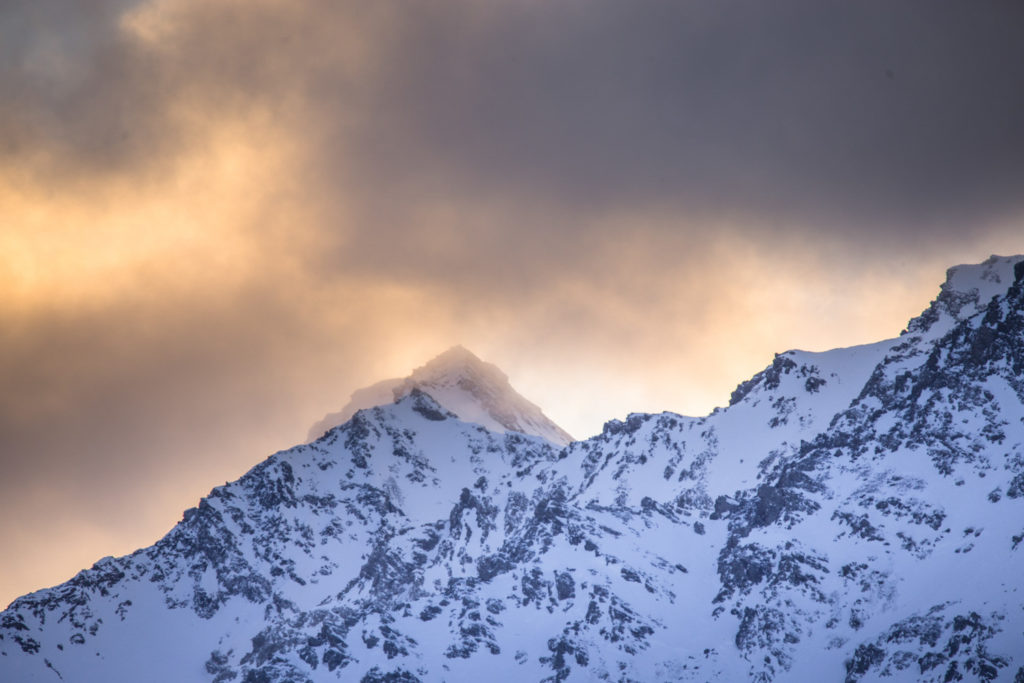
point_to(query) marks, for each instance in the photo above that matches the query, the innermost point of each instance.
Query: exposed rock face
(467, 386)
(853, 515)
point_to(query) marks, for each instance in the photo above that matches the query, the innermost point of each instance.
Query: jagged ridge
(824, 525)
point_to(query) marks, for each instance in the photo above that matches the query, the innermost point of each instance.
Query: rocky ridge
(853, 514)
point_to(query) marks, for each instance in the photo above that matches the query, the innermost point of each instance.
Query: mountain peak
(989, 278)
(457, 363)
(473, 389)
(967, 291)
(820, 527)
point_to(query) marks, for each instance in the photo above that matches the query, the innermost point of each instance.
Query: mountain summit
(967, 291)
(460, 382)
(855, 514)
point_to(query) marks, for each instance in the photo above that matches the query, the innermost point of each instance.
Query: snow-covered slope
(467, 386)
(854, 515)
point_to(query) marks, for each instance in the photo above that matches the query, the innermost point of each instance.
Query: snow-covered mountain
(855, 514)
(463, 384)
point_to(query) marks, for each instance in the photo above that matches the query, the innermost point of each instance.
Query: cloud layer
(220, 217)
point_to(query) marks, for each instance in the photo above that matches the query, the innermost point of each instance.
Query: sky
(218, 218)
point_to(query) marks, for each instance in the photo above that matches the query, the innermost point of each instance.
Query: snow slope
(854, 515)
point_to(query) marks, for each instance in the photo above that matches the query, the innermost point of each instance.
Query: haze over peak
(473, 389)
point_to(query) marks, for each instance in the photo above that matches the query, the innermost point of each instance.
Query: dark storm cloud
(828, 115)
(76, 94)
(835, 115)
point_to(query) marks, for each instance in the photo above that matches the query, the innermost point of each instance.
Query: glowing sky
(219, 217)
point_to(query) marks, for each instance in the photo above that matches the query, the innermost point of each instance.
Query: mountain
(473, 390)
(856, 514)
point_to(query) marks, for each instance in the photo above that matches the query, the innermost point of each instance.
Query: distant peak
(454, 359)
(457, 353)
(462, 383)
(457, 364)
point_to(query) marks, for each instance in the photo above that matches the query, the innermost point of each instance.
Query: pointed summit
(459, 381)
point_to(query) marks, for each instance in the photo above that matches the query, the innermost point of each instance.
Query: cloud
(822, 116)
(220, 217)
(899, 121)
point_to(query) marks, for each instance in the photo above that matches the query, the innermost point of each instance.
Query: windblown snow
(854, 515)
(465, 385)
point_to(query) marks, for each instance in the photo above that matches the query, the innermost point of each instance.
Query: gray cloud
(833, 115)
(77, 95)
(894, 119)
(601, 189)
